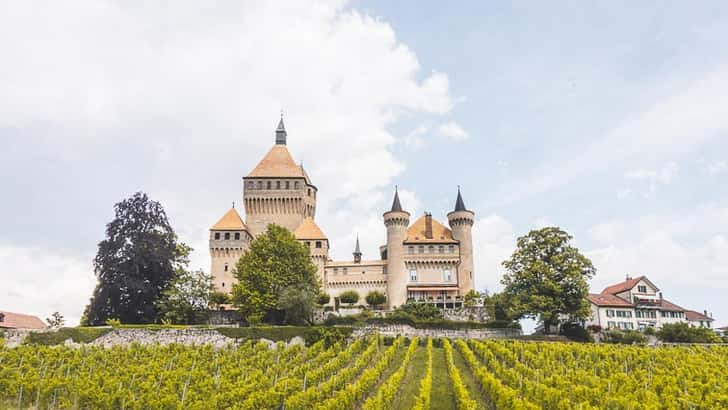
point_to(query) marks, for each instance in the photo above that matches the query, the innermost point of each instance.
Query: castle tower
(312, 236)
(277, 190)
(396, 221)
(461, 222)
(229, 239)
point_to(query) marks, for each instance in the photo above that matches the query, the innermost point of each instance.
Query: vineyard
(368, 373)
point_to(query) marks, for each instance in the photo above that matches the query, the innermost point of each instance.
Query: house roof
(626, 285)
(669, 306)
(278, 163)
(230, 221)
(440, 233)
(12, 320)
(309, 230)
(696, 316)
(605, 299)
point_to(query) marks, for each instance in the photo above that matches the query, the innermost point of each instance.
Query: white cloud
(416, 137)
(653, 177)
(39, 282)
(452, 130)
(494, 240)
(715, 168)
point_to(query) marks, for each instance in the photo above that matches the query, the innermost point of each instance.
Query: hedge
(77, 334)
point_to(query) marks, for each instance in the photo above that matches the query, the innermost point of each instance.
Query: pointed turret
(357, 251)
(281, 132)
(459, 203)
(396, 205)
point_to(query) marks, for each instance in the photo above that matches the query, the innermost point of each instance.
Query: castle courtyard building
(424, 262)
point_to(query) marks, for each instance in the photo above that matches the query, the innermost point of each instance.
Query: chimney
(626, 277)
(705, 313)
(660, 295)
(428, 225)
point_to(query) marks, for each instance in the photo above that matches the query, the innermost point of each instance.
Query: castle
(425, 261)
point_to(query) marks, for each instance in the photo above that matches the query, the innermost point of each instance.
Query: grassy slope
(443, 396)
(410, 387)
(467, 376)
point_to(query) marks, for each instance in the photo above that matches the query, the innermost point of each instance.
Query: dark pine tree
(135, 263)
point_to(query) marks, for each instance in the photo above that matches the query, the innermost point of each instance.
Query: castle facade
(424, 261)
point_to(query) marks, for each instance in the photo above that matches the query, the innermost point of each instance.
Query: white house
(637, 303)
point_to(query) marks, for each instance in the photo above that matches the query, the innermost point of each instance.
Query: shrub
(594, 328)
(628, 337)
(576, 333)
(683, 333)
(421, 311)
(375, 298)
(650, 331)
(349, 297)
(77, 334)
(219, 298)
(323, 299)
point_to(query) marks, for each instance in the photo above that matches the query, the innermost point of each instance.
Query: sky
(607, 119)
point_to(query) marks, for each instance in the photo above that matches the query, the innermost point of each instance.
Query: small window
(237, 236)
(610, 313)
(411, 249)
(223, 284)
(251, 185)
(227, 236)
(610, 325)
(318, 244)
(451, 248)
(441, 249)
(260, 184)
(642, 289)
(431, 249)
(217, 236)
(308, 244)
(278, 184)
(447, 275)
(346, 270)
(267, 185)
(336, 271)
(309, 192)
(226, 267)
(421, 249)
(288, 184)
(296, 185)
(413, 275)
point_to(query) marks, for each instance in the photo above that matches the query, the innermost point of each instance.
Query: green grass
(467, 376)
(410, 387)
(443, 395)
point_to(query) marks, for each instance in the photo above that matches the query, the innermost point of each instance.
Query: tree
(684, 333)
(471, 298)
(297, 305)
(497, 306)
(217, 299)
(186, 299)
(547, 278)
(56, 320)
(375, 298)
(323, 299)
(274, 262)
(349, 297)
(135, 263)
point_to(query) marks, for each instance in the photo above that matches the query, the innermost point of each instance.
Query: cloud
(494, 240)
(38, 281)
(107, 98)
(453, 131)
(652, 177)
(715, 168)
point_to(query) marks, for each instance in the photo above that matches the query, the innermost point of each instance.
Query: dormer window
(237, 236)
(642, 289)
(217, 236)
(227, 236)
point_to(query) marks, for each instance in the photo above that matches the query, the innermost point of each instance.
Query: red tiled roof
(624, 286)
(669, 306)
(12, 320)
(695, 316)
(605, 299)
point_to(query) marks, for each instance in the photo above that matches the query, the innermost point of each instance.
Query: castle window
(413, 275)
(345, 271)
(309, 192)
(296, 185)
(411, 249)
(318, 244)
(447, 275)
(223, 284)
(260, 184)
(308, 244)
(288, 184)
(336, 271)
(227, 236)
(451, 248)
(431, 249)
(217, 236)
(278, 184)
(226, 267)
(421, 249)
(441, 249)
(237, 236)
(267, 185)
(251, 185)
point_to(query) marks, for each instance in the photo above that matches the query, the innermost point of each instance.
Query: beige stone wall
(363, 278)
(461, 223)
(319, 257)
(285, 207)
(226, 253)
(396, 223)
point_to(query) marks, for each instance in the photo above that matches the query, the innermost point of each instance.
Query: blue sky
(606, 119)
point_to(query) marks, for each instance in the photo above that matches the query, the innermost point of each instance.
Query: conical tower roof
(396, 205)
(309, 230)
(459, 203)
(231, 221)
(357, 251)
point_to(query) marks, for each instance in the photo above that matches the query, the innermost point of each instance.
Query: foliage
(547, 278)
(349, 297)
(626, 337)
(576, 332)
(471, 298)
(297, 304)
(594, 328)
(58, 337)
(323, 299)
(135, 263)
(650, 331)
(186, 299)
(462, 396)
(56, 320)
(684, 333)
(385, 394)
(217, 299)
(310, 334)
(375, 298)
(274, 262)
(422, 402)
(498, 306)
(419, 311)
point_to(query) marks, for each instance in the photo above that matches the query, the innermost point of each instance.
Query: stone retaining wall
(409, 331)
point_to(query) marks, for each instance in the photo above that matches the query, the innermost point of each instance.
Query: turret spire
(357, 252)
(281, 132)
(459, 203)
(396, 205)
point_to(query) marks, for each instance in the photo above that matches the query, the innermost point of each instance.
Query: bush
(594, 328)
(375, 298)
(323, 299)
(349, 297)
(627, 337)
(683, 333)
(420, 311)
(650, 331)
(576, 333)
(219, 298)
(77, 334)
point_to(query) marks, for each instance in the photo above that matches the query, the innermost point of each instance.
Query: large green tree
(187, 298)
(275, 261)
(135, 263)
(546, 278)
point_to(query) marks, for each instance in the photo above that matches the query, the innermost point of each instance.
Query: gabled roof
(230, 221)
(277, 163)
(627, 285)
(696, 316)
(605, 299)
(309, 230)
(12, 320)
(669, 306)
(440, 233)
